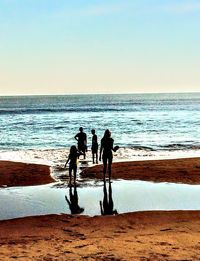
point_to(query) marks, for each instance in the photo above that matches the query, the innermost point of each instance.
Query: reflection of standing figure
(81, 137)
(94, 146)
(107, 148)
(107, 206)
(73, 202)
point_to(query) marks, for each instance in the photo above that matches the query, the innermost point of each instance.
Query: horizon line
(96, 93)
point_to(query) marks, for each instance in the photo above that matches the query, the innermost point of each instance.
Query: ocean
(143, 125)
(41, 129)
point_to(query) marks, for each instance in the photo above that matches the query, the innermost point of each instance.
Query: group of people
(106, 148)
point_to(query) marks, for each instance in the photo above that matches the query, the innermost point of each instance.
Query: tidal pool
(125, 196)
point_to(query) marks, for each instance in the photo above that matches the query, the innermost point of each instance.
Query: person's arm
(85, 141)
(95, 138)
(66, 162)
(114, 148)
(101, 208)
(112, 142)
(101, 148)
(76, 136)
(69, 203)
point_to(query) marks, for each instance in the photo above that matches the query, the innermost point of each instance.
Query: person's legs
(109, 166)
(110, 198)
(104, 166)
(81, 147)
(105, 196)
(96, 157)
(75, 195)
(75, 170)
(93, 157)
(84, 151)
(70, 176)
(70, 194)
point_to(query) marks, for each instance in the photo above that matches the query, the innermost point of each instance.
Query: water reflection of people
(107, 148)
(73, 202)
(107, 206)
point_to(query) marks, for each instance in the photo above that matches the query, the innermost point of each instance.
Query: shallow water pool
(122, 196)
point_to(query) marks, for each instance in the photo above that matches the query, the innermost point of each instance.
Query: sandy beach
(150, 235)
(186, 170)
(23, 174)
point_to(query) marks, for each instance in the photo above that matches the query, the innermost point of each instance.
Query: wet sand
(155, 235)
(23, 174)
(170, 170)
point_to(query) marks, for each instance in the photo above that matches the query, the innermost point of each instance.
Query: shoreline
(181, 170)
(148, 235)
(56, 156)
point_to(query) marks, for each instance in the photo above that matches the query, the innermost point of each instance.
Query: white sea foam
(57, 157)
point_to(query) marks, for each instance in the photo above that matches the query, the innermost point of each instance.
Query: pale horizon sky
(122, 46)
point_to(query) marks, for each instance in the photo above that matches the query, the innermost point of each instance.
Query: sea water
(42, 128)
(145, 126)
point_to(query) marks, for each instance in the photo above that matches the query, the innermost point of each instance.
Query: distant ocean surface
(147, 123)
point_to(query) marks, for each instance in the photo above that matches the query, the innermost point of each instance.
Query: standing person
(73, 162)
(94, 146)
(107, 148)
(81, 137)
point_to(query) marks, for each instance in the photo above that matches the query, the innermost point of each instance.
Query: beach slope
(132, 236)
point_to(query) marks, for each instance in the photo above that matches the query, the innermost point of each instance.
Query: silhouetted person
(81, 137)
(107, 148)
(73, 162)
(94, 147)
(73, 202)
(107, 206)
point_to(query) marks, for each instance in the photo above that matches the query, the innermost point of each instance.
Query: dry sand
(132, 236)
(155, 235)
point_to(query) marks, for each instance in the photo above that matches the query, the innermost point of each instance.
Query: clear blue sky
(60, 47)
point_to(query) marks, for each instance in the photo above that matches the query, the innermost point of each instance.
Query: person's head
(107, 134)
(79, 210)
(73, 149)
(81, 129)
(93, 131)
(115, 212)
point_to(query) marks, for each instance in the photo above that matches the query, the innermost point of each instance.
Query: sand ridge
(185, 170)
(23, 174)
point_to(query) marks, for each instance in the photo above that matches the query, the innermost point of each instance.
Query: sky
(82, 46)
